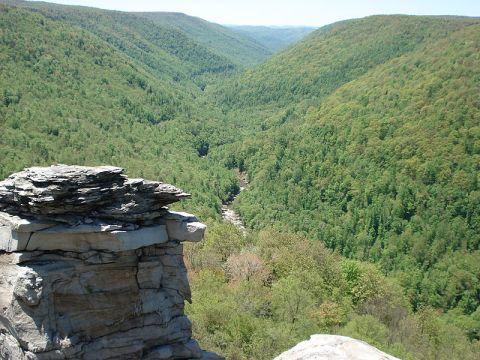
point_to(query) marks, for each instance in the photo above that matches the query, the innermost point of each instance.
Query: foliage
(363, 138)
(332, 56)
(237, 47)
(163, 50)
(69, 97)
(274, 38)
(257, 317)
(385, 170)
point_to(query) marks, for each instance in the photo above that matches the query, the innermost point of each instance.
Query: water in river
(228, 213)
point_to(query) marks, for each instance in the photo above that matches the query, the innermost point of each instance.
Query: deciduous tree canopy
(361, 144)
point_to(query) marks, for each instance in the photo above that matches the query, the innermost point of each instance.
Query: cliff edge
(91, 267)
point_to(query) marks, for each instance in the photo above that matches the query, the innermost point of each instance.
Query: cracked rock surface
(91, 267)
(103, 192)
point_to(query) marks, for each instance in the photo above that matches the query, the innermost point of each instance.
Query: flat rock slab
(182, 226)
(334, 347)
(66, 238)
(114, 241)
(23, 224)
(22, 234)
(101, 192)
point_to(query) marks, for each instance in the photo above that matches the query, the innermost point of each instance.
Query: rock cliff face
(91, 267)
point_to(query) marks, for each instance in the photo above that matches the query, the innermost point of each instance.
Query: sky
(288, 12)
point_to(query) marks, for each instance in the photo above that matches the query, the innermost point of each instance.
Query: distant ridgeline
(180, 42)
(274, 38)
(364, 136)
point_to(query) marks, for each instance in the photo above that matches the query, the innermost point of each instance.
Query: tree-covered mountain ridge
(385, 169)
(379, 161)
(150, 37)
(274, 37)
(68, 96)
(242, 50)
(360, 143)
(334, 55)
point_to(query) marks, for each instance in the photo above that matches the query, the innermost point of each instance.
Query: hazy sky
(288, 12)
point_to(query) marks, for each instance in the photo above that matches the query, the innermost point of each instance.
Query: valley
(361, 141)
(228, 213)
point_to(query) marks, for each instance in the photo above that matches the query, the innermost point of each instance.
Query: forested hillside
(68, 96)
(375, 152)
(274, 38)
(386, 169)
(206, 46)
(256, 296)
(332, 56)
(361, 144)
(243, 50)
(164, 51)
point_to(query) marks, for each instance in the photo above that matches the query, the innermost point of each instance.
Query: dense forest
(361, 143)
(242, 50)
(70, 97)
(274, 38)
(382, 184)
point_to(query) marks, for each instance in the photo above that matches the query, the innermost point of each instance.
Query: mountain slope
(68, 96)
(363, 139)
(238, 48)
(386, 169)
(165, 51)
(274, 38)
(331, 57)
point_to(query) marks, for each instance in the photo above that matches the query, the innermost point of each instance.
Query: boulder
(333, 347)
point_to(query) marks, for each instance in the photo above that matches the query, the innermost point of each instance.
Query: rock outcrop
(333, 347)
(91, 267)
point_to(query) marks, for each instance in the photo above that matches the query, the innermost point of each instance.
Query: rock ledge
(334, 347)
(91, 267)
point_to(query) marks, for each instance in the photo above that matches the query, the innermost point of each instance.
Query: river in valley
(230, 215)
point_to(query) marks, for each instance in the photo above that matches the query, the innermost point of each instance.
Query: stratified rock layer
(333, 347)
(91, 267)
(65, 192)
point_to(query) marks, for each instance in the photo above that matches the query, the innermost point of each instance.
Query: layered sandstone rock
(91, 267)
(68, 193)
